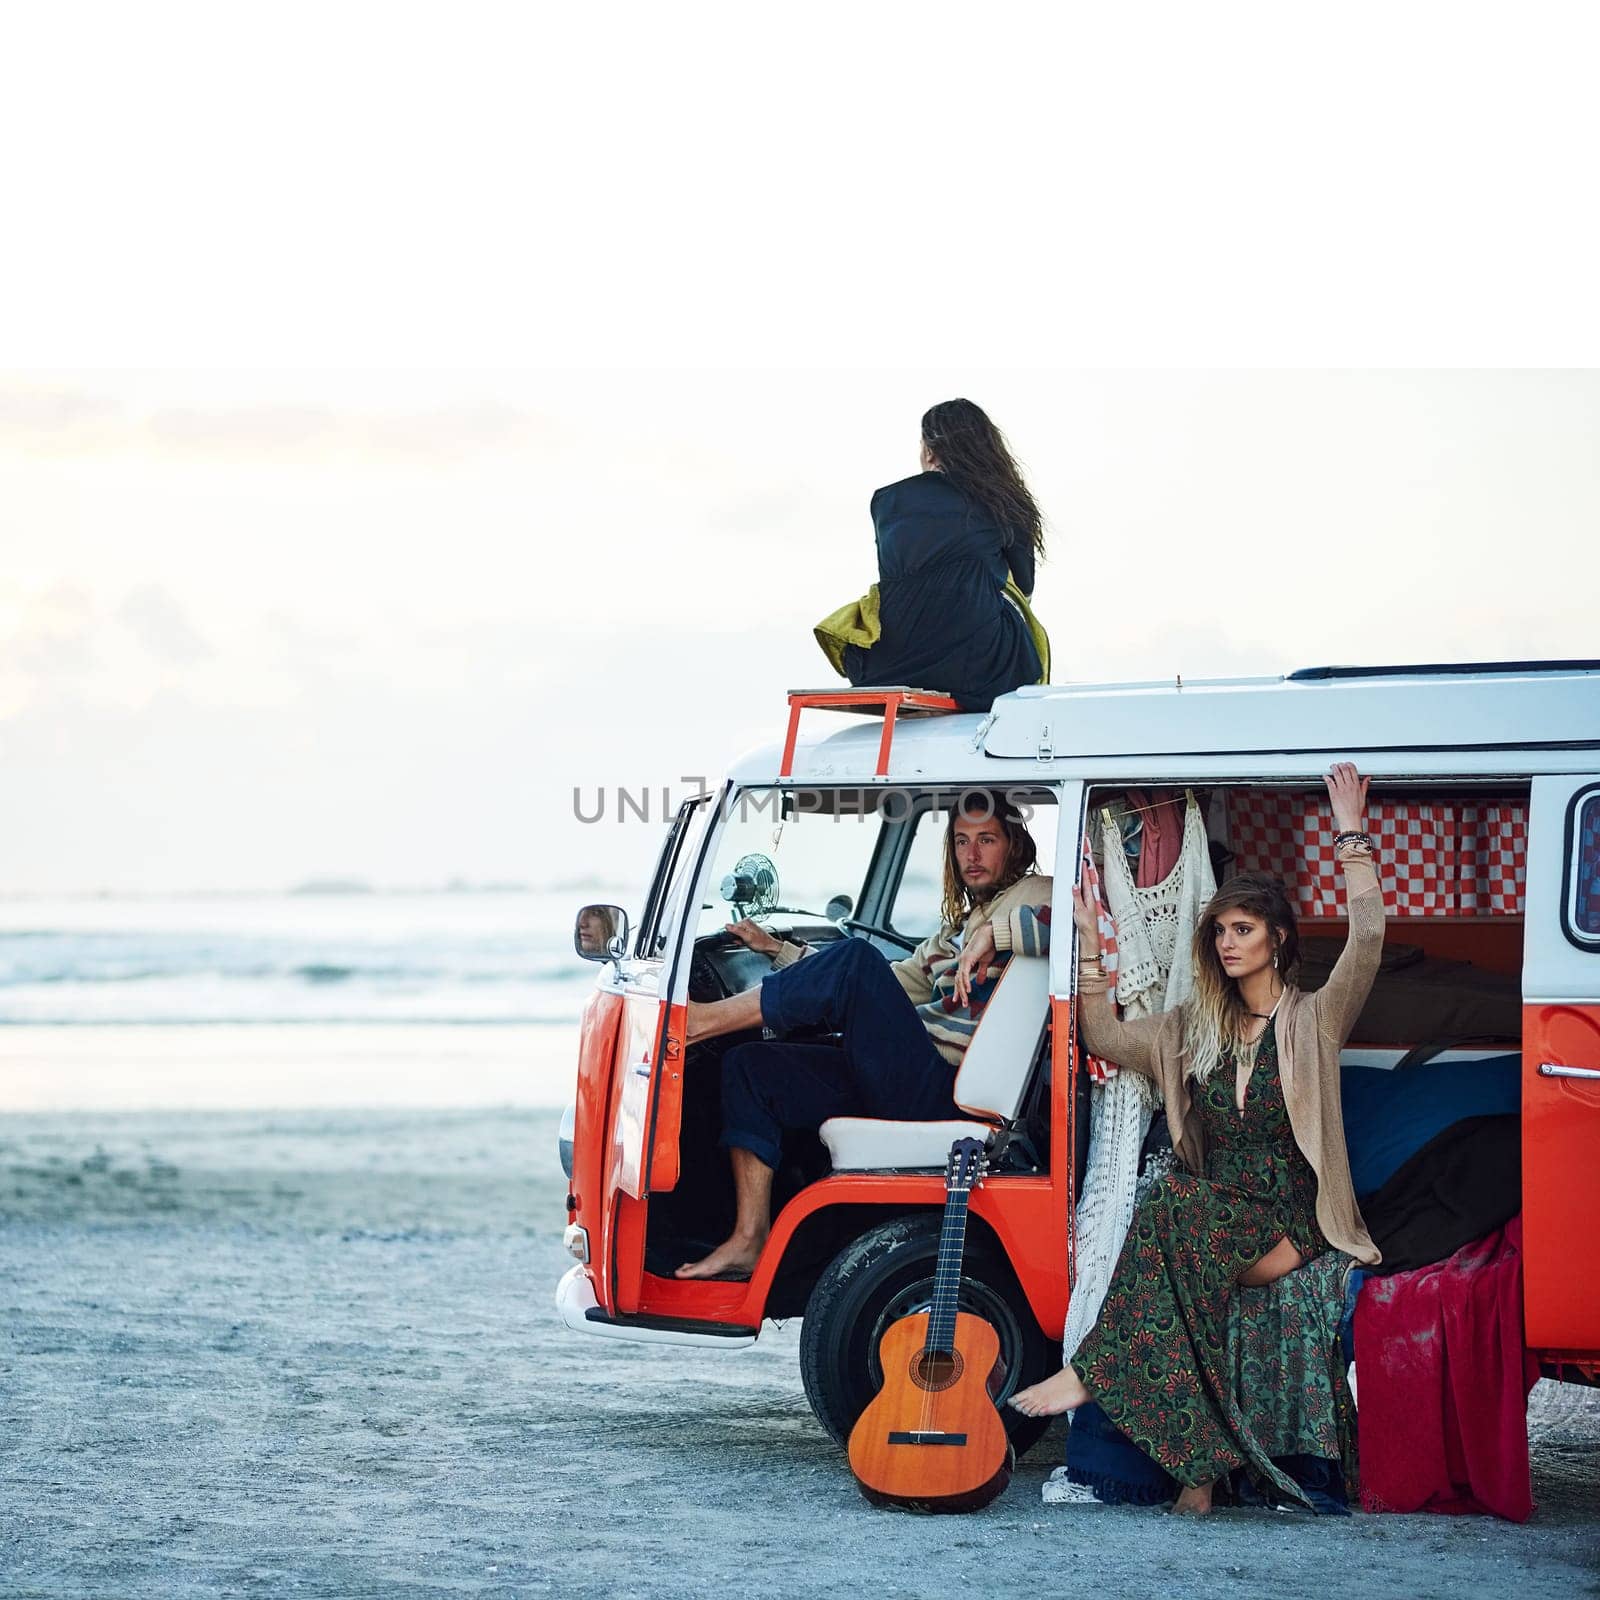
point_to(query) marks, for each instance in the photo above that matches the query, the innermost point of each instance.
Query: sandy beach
(313, 1352)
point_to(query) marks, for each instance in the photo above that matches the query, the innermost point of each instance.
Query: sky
(414, 413)
(263, 626)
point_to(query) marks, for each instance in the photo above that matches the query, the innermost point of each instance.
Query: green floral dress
(1160, 1361)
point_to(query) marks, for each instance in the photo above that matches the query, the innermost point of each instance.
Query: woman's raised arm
(1339, 1001)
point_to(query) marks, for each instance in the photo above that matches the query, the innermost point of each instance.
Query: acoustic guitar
(932, 1438)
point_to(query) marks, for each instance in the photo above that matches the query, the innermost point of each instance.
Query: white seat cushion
(863, 1144)
(994, 1070)
(993, 1073)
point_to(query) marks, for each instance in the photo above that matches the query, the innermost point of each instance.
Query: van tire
(886, 1273)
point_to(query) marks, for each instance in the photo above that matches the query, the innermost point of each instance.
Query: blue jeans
(885, 1066)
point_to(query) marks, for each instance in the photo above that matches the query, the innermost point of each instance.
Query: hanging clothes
(1162, 837)
(1154, 929)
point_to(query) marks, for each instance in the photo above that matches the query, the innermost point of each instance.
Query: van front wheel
(887, 1274)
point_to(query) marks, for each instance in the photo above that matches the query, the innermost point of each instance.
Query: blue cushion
(1389, 1116)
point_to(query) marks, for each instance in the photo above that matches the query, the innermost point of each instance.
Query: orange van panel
(1561, 1179)
(667, 1112)
(591, 1154)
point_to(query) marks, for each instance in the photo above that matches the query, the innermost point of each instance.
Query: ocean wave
(470, 961)
(75, 963)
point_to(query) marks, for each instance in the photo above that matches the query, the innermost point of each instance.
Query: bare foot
(1193, 1502)
(1063, 1392)
(735, 1257)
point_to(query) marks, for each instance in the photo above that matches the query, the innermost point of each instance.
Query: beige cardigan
(1312, 1029)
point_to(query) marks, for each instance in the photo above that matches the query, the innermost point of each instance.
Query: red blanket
(1442, 1380)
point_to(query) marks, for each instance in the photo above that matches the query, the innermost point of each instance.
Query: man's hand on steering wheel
(751, 934)
(973, 965)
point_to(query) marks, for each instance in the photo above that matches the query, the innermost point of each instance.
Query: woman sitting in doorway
(948, 541)
(1249, 1071)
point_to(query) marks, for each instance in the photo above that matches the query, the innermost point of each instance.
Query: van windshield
(777, 856)
(672, 876)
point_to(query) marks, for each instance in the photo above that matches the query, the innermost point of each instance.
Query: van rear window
(1583, 906)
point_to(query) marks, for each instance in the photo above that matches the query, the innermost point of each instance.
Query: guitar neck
(947, 1275)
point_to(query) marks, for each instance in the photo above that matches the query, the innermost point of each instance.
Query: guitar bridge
(919, 1436)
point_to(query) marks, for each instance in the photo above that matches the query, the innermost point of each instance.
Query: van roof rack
(1439, 669)
(888, 701)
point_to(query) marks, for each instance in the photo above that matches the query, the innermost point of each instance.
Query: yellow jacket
(859, 624)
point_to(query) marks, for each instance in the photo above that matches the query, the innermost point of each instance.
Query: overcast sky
(649, 300)
(261, 627)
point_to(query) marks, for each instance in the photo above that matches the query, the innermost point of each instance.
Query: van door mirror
(600, 933)
(840, 906)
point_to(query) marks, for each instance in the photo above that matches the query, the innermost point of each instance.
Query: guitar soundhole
(937, 1371)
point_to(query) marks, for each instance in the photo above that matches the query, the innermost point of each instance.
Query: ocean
(248, 1001)
(258, 959)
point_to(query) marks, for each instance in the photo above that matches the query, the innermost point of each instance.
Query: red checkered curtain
(1435, 858)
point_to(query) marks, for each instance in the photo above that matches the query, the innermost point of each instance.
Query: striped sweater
(1021, 920)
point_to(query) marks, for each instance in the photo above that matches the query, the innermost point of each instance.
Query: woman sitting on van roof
(1249, 1072)
(948, 542)
(903, 1026)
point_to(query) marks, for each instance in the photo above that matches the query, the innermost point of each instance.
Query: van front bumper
(578, 1308)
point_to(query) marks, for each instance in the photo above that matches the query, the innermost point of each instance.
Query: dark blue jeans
(885, 1066)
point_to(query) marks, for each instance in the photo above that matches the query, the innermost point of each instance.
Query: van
(1486, 790)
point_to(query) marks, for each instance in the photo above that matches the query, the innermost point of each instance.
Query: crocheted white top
(1155, 928)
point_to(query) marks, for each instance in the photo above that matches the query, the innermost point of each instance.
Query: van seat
(990, 1084)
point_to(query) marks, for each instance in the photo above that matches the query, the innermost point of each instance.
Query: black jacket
(942, 567)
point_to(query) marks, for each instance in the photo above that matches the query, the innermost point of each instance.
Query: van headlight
(569, 1126)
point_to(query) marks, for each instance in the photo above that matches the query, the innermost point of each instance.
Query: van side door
(650, 1046)
(1561, 1067)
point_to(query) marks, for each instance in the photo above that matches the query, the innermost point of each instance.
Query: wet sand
(314, 1353)
(234, 1067)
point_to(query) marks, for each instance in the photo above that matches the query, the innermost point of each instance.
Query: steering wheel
(851, 925)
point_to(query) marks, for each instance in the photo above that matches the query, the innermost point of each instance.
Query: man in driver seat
(903, 1025)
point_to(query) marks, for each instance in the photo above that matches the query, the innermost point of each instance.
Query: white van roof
(1481, 717)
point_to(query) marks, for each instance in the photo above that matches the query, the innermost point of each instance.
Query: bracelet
(1352, 836)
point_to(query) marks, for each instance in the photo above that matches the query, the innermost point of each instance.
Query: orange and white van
(1486, 774)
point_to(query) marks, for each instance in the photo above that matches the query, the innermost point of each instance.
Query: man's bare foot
(1063, 1392)
(736, 1257)
(1195, 1501)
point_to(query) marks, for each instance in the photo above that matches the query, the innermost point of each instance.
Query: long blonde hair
(1215, 1017)
(1022, 854)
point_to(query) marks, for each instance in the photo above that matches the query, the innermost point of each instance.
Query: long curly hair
(1215, 1017)
(973, 454)
(1022, 854)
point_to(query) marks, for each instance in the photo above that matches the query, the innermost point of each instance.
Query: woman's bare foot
(1063, 1392)
(1194, 1501)
(736, 1256)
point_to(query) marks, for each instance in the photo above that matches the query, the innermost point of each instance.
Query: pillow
(1318, 953)
(1389, 1116)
